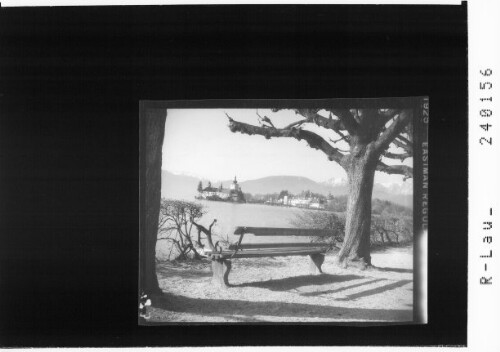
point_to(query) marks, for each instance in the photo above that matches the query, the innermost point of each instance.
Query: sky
(198, 143)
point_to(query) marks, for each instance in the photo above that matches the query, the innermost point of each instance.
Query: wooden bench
(221, 257)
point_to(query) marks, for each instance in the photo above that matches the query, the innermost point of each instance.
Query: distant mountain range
(294, 184)
(185, 187)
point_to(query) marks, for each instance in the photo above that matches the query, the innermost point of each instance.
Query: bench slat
(277, 245)
(269, 231)
(269, 253)
(257, 254)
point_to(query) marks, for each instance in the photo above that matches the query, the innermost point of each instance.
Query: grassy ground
(282, 290)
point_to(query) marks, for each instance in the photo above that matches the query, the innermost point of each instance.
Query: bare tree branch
(347, 120)
(295, 124)
(168, 239)
(312, 115)
(207, 233)
(335, 154)
(342, 137)
(340, 150)
(162, 222)
(312, 139)
(404, 140)
(229, 117)
(404, 170)
(168, 229)
(408, 148)
(265, 119)
(333, 124)
(401, 157)
(386, 115)
(388, 136)
(211, 225)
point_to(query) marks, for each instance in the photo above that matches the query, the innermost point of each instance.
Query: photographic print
(283, 212)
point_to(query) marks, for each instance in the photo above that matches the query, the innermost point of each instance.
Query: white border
(484, 177)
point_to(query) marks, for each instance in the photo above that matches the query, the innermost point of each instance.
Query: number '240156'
(485, 112)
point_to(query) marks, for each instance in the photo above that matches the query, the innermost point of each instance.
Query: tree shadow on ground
(244, 319)
(319, 293)
(379, 248)
(288, 283)
(187, 274)
(190, 274)
(263, 262)
(394, 270)
(244, 309)
(375, 291)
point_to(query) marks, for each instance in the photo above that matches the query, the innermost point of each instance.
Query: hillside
(294, 184)
(178, 186)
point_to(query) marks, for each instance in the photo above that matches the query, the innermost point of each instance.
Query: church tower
(235, 186)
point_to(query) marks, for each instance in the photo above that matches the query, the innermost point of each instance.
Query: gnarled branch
(312, 139)
(386, 137)
(401, 156)
(404, 170)
(408, 148)
(404, 140)
(312, 115)
(347, 120)
(265, 119)
(295, 124)
(386, 115)
(207, 232)
(395, 128)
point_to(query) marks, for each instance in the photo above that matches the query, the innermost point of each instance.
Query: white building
(300, 202)
(316, 205)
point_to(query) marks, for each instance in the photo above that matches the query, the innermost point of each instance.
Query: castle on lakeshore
(231, 194)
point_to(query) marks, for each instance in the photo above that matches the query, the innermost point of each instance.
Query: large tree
(152, 133)
(367, 135)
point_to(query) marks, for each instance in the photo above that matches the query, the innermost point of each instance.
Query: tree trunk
(387, 236)
(154, 129)
(355, 249)
(397, 237)
(196, 255)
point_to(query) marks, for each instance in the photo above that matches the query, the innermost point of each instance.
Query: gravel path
(282, 290)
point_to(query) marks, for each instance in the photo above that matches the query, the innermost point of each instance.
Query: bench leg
(317, 260)
(220, 271)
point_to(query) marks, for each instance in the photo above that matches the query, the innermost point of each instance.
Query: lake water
(231, 215)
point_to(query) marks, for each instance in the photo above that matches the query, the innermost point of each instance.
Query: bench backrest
(276, 231)
(278, 245)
